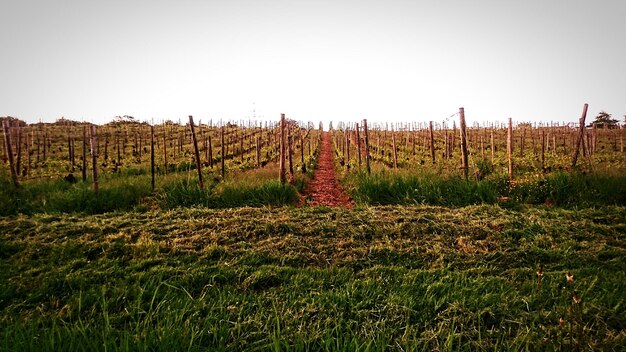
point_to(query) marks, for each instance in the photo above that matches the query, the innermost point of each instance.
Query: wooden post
(463, 135)
(395, 155)
(165, 148)
(223, 151)
(446, 154)
(347, 148)
(84, 153)
(9, 149)
(367, 147)
(4, 150)
(69, 151)
(258, 152)
(94, 156)
(378, 143)
(533, 141)
(290, 154)
(594, 136)
(358, 143)
(210, 152)
(205, 141)
(522, 142)
(482, 147)
(140, 144)
(281, 172)
(125, 141)
(241, 147)
(543, 148)
(45, 143)
(581, 131)
(196, 152)
(302, 154)
(117, 147)
(493, 148)
(29, 139)
(106, 148)
(509, 148)
(432, 141)
(18, 145)
(453, 137)
(152, 155)
(343, 147)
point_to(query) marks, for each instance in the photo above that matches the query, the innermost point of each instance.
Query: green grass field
(373, 278)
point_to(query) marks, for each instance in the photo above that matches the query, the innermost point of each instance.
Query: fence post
(290, 143)
(94, 156)
(9, 150)
(358, 144)
(223, 151)
(543, 148)
(29, 140)
(241, 146)
(18, 147)
(463, 136)
(196, 152)
(118, 163)
(84, 170)
(4, 151)
(45, 143)
(579, 139)
(446, 144)
(258, 152)
(347, 147)
(152, 154)
(210, 151)
(432, 141)
(395, 154)
(367, 147)
(302, 153)
(509, 148)
(165, 148)
(281, 164)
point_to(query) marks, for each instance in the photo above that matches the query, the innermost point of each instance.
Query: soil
(324, 188)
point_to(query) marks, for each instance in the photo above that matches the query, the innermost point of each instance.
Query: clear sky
(532, 60)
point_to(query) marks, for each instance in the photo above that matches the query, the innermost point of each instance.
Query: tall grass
(59, 196)
(566, 189)
(572, 189)
(389, 188)
(228, 195)
(132, 189)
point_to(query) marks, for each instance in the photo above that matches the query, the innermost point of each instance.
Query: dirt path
(324, 188)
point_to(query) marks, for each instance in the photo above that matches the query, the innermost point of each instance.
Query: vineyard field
(420, 237)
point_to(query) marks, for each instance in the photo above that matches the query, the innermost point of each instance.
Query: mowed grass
(376, 278)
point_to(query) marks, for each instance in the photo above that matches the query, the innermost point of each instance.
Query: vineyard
(137, 164)
(242, 235)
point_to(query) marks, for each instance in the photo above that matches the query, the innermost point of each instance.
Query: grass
(563, 189)
(132, 190)
(416, 278)
(58, 195)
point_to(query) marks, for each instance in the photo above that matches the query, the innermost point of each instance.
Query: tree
(125, 118)
(604, 120)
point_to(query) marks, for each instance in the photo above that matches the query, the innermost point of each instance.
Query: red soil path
(324, 189)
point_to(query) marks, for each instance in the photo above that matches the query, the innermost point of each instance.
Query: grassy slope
(416, 278)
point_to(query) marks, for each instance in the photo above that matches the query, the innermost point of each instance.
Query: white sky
(532, 60)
